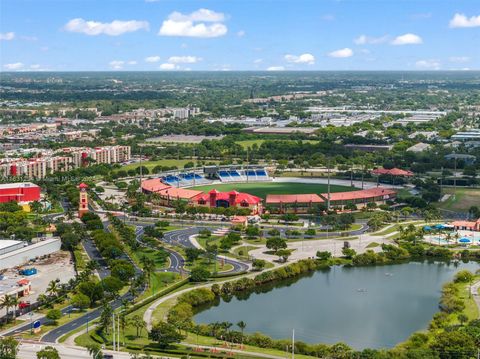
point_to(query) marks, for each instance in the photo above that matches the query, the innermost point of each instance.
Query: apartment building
(69, 158)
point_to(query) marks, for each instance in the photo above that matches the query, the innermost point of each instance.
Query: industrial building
(16, 253)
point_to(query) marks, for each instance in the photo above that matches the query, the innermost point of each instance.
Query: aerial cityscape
(239, 179)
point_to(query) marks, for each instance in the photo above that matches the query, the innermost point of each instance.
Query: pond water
(364, 307)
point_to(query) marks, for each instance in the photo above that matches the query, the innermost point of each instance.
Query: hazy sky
(68, 35)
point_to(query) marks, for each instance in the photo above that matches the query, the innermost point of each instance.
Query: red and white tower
(83, 203)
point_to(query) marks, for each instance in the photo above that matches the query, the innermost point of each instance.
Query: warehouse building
(17, 253)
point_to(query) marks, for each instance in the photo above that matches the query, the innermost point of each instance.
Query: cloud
(428, 64)
(132, 62)
(407, 39)
(35, 67)
(241, 33)
(116, 64)
(364, 39)
(7, 36)
(194, 24)
(152, 59)
(184, 59)
(14, 66)
(167, 66)
(276, 68)
(301, 59)
(257, 61)
(114, 28)
(342, 53)
(460, 20)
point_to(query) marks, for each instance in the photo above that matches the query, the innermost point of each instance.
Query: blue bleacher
(261, 173)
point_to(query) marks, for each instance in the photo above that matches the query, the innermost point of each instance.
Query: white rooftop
(17, 185)
(5, 243)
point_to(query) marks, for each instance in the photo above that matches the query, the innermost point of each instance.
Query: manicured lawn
(151, 164)
(249, 143)
(262, 189)
(461, 199)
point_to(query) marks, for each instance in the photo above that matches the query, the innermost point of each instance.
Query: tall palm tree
(14, 302)
(242, 325)
(148, 266)
(5, 303)
(53, 288)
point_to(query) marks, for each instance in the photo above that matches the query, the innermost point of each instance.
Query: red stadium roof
(361, 194)
(294, 198)
(392, 172)
(240, 197)
(165, 190)
(154, 185)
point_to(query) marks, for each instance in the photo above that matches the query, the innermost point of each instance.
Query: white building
(16, 253)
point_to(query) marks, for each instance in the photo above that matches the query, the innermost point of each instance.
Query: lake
(364, 307)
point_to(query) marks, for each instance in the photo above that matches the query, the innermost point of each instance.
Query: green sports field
(263, 188)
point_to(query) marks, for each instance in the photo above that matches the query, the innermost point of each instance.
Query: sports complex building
(302, 203)
(172, 186)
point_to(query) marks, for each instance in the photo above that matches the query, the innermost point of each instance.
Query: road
(53, 335)
(182, 237)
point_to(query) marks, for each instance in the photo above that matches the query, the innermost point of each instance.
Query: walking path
(474, 291)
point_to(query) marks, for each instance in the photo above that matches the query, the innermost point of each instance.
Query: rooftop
(5, 243)
(17, 185)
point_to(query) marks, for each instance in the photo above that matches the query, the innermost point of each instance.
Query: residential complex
(66, 159)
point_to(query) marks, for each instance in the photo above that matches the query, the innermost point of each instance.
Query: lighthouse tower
(83, 203)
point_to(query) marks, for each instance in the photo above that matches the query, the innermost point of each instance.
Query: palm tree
(6, 303)
(242, 325)
(52, 288)
(94, 350)
(148, 266)
(14, 302)
(138, 323)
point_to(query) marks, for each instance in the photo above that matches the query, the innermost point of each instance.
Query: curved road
(182, 237)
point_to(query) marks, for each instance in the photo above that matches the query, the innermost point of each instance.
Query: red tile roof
(240, 197)
(393, 172)
(361, 194)
(174, 192)
(165, 190)
(294, 198)
(154, 185)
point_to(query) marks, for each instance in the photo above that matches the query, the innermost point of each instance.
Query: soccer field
(261, 189)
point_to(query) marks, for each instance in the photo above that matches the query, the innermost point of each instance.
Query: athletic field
(261, 189)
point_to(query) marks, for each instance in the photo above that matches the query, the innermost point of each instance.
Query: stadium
(254, 188)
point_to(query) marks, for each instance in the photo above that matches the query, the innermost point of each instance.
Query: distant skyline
(262, 35)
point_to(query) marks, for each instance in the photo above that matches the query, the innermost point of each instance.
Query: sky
(222, 35)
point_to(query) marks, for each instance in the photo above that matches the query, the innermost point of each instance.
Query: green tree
(54, 315)
(48, 352)
(242, 325)
(8, 348)
(276, 243)
(165, 334)
(258, 264)
(446, 343)
(324, 256)
(80, 301)
(199, 274)
(349, 252)
(95, 350)
(283, 254)
(139, 324)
